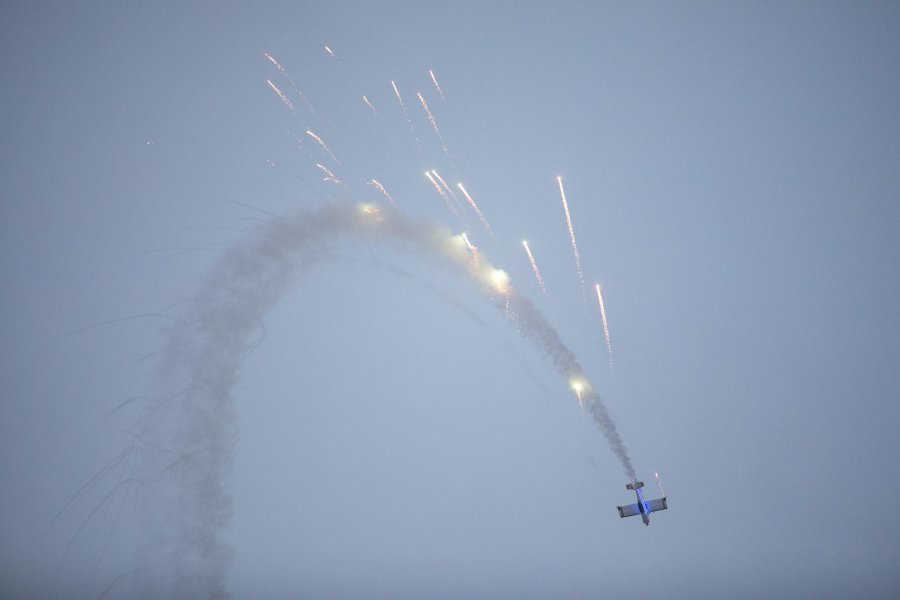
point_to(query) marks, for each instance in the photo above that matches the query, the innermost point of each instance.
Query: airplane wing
(658, 504)
(629, 511)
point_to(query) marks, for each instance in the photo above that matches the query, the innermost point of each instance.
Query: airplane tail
(634, 485)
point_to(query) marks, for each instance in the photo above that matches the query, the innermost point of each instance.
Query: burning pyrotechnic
(280, 93)
(562, 193)
(659, 483)
(323, 144)
(329, 176)
(477, 210)
(405, 113)
(328, 50)
(603, 321)
(437, 86)
(473, 249)
(449, 191)
(534, 267)
(377, 185)
(433, 122)
(369, 104)
(443, 194)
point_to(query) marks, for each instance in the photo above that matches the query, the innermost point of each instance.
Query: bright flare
(329, 176)
(562, 193)
(443, 194)
(579, 386)
(377, 185)
(605, 324)
(534, 267)
(324, 145)
(280, 94)
(437, 86)
(433, 123)
(477, 210)
(405, 113)
(369, 104)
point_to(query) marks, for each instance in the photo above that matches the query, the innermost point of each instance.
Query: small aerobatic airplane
(643, 507)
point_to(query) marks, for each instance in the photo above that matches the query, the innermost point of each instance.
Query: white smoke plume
(189, 430)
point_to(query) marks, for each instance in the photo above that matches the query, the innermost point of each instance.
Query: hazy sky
(732, 171)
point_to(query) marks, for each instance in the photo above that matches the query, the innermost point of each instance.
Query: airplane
(642, 507)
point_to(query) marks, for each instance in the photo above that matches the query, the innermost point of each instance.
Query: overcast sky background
(732, 172)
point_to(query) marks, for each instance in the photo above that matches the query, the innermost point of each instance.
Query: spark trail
(562, 194)
(605, 324)
(534, 267)
(377, 185)
(281, 95)
(190, 425)
(437, 86)
(433, 122)
(448, 190)
(477, 210)
(442, 193)
(329, 175)
(297, 89)
(323, 145)
(369, 104)
(405, 113)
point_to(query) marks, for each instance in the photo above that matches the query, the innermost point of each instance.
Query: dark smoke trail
(193, 415)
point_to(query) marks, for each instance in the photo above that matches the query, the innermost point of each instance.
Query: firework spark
(281, 95)
(449, 191)
(443, 194)
(433, 122)
(377, 185)
(474, 250)
(437, 86)
(405, 113)
(562, 193)
(534, 267)
(659, 483)
(604, 322)
(328, 50)
(369, 104)
(477, 210)
(329, 175)
(323, 144)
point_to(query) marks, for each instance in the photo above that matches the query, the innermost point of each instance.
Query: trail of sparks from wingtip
(437, 86)
(442, 193)
(328, 50)
(562, 194)
(604, 323)
(378, 186)
(433, 122)
(659, 483)
(281, 95)
(534, 267)
(322, 143)
(477, 210)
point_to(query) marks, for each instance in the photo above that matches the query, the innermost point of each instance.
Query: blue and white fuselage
(642, 507)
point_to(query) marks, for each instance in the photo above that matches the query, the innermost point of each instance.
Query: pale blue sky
(732, 172)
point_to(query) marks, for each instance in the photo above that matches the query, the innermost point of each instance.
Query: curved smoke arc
(190, 426)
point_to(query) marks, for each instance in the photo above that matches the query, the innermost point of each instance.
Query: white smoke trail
(191, 428)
